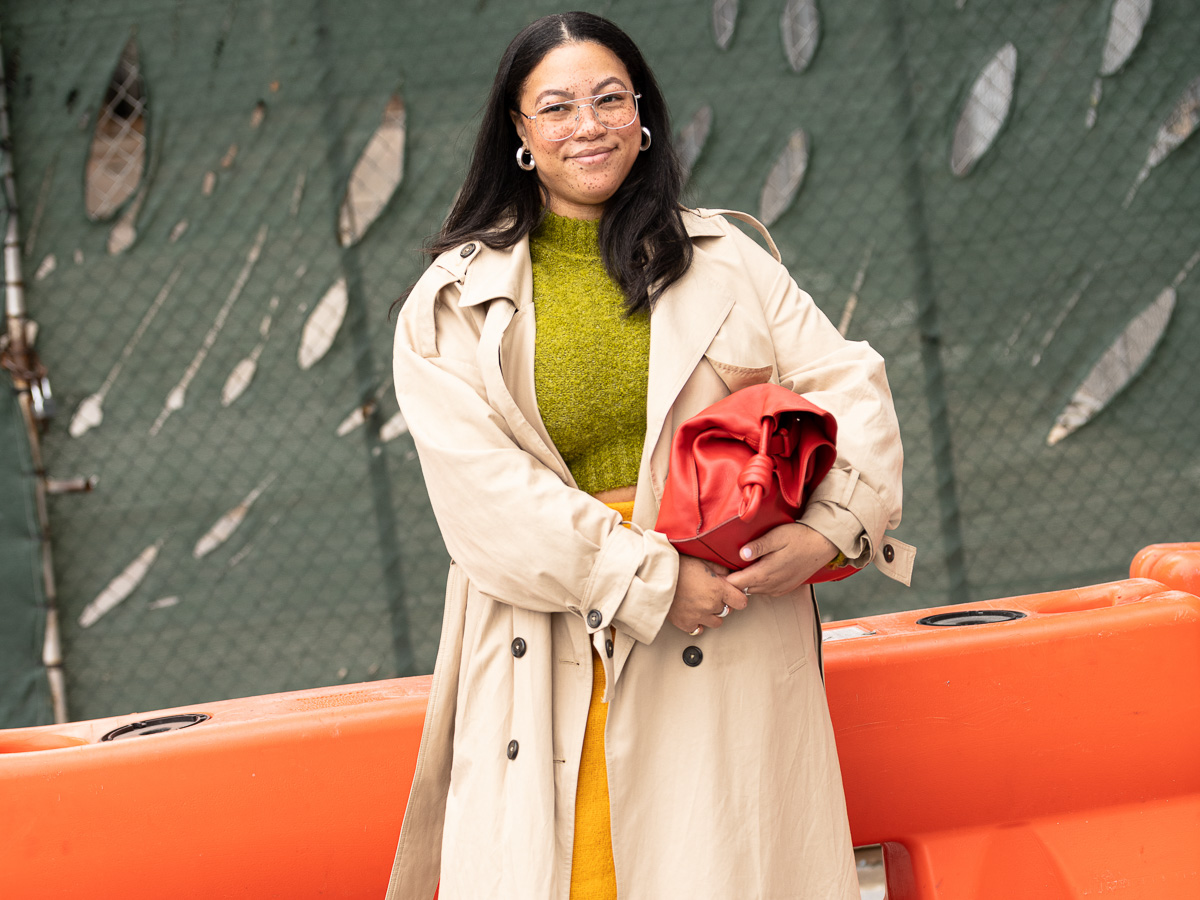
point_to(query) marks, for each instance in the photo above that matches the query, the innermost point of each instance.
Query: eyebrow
(598, 89)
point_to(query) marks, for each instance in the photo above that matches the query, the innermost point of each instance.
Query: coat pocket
(793, 627)
(738, 377)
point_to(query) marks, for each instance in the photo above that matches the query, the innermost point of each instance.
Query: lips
(592, 155)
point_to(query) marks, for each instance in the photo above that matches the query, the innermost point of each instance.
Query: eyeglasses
(559, 121)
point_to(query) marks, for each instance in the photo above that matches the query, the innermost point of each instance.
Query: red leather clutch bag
(743, 466)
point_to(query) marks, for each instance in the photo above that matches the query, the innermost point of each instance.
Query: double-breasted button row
(513, 747)
(594, 618)
(518, 647)
(692, 656)
(608, 647)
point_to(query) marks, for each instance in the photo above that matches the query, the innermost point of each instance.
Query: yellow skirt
(593, 875)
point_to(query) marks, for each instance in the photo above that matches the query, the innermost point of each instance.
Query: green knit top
(590, 360)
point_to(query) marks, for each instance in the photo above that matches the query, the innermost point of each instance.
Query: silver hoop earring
(645, 139)
(525, 159)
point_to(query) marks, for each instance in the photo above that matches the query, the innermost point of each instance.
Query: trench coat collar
(487, 275)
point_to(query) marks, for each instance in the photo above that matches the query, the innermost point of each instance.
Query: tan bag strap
(752, 222)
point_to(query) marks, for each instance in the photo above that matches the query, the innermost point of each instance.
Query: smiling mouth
(592, 154)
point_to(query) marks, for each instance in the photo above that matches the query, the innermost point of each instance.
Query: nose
(589, 124)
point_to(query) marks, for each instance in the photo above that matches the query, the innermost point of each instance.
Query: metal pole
(28, 377)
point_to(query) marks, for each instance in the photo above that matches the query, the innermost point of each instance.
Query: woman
(608, 718)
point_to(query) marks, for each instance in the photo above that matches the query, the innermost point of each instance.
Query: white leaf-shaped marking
(90, 412)
(88, 415)
(1089, 118)
(784, 180)
(177, 232)
(124, 232)
(225, 526)
(393, 428)
(177, 394)
(1121, 362)
(48, 265)
(852, 300)
(693, 137)
(323, 324)
(209, 184)
(1125, 25)
(354, 420)
(1174, 131)
(724, 18)
(121, 586)
(298, 193)
(984, 113)
(243, 373)
(117, 157)
(258, 114)
(239, 379)
(800, 27)
(376, 175)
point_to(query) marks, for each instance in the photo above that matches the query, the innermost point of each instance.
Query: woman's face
(582, 172)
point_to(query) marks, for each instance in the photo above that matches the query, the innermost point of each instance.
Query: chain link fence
(954, 182)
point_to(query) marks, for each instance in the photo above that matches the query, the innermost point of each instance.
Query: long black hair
(642, 239)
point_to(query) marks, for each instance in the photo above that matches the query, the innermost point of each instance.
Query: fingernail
(745, 553)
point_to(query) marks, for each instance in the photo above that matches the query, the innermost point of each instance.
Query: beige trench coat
(723, 774)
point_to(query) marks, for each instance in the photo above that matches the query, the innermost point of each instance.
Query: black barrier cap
(154, 726)
(972, 617)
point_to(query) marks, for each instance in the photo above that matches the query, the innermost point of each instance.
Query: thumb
(752, 551)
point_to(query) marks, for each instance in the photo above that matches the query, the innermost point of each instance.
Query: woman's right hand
(701, 593)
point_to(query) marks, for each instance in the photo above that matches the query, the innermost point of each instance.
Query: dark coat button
(466, 251)
(518, 647)
(692, 656)
(594, 618)
(513, 747)
(608, 647)
(889, 552)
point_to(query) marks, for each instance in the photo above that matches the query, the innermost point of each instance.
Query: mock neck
(573, 237)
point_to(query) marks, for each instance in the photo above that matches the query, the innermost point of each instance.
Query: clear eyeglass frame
(579, 104)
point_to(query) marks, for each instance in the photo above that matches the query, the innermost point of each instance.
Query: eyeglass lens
(559, 121)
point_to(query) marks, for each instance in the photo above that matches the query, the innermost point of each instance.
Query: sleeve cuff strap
(636, 597)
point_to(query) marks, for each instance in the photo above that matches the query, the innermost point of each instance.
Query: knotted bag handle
(756, 476)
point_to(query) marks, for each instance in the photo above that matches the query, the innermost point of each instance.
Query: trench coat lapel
(506, 346)
(685, 321)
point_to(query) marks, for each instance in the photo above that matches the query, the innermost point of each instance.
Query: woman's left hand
(782, 560)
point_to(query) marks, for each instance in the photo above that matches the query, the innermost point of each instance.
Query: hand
(701, 592)
(782, 560)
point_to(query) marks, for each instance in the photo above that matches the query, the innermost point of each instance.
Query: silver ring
(695, 631)
(746, 591)
(723, 613)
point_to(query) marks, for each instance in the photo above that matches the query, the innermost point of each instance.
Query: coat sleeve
(861, 496)
(521, 534)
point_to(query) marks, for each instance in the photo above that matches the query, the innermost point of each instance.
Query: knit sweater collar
(571, 237)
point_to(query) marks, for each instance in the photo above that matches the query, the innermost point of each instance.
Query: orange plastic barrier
(1053, 755)
(1175, 565)
(291, 795)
